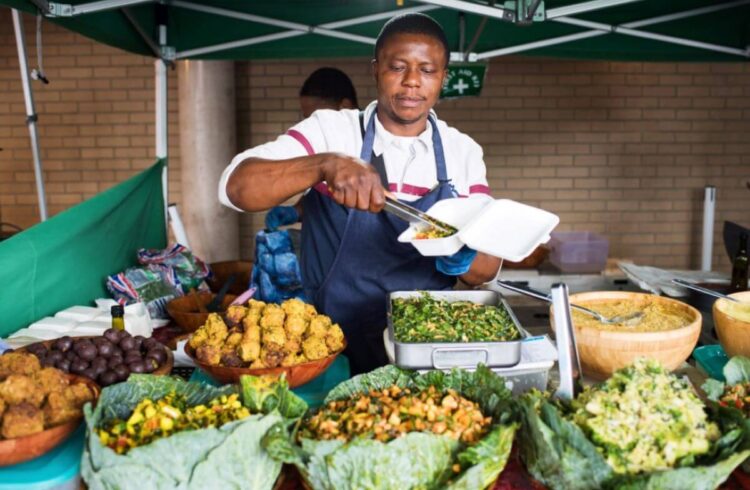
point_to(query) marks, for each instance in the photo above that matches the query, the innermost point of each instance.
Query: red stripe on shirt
(413, 190)
(302, 140)
(322, 188)
(392, 187)
(479, 189)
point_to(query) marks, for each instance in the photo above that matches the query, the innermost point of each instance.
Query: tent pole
(31, 116)
(160, 84)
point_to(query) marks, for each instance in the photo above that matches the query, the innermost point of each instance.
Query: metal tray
(442, 355)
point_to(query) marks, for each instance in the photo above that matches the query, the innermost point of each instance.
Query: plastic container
(711, 360)
(501, 228)
(578, 251)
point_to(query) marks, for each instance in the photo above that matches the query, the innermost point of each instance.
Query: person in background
(344, 162)
(325, 88)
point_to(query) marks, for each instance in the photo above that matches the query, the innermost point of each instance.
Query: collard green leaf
(485, 460)
(556, 451)
(240, 461)
(229, 456)
(737, 370)
(264, 394)
(376, 380)
(713, 389)
(416, 460)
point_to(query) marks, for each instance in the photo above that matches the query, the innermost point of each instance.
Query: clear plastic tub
(578, 251)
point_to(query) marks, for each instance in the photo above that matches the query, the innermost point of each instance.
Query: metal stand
(567, 351)
(31, 116)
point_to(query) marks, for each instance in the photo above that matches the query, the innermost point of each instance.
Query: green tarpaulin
(189, 27)
(65, 260)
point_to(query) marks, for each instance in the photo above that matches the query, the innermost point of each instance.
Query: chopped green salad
(426, 319)
(645, 419)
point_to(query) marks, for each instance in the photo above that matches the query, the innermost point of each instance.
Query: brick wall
(96, 121)
(623, 149)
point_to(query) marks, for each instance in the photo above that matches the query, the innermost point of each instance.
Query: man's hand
(352, 182)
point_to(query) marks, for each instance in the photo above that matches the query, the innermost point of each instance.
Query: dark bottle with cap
(118, 317)
(740, 267)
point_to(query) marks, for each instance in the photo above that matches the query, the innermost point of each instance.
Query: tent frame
(520, 12)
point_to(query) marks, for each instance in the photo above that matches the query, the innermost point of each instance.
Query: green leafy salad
(642, 428)
(426, 319)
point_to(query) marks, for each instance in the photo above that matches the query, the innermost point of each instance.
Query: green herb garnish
(425, 319)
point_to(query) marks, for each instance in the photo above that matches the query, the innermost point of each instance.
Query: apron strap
(375, 160)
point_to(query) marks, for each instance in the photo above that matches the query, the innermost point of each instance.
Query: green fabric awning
(189, 29)
(65, 260)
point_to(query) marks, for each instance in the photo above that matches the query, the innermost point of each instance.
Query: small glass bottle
(118, 320)
(740, 267)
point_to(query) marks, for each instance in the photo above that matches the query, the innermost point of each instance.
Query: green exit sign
(464, 80)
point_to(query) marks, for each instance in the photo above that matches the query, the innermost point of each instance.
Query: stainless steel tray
(442, 355)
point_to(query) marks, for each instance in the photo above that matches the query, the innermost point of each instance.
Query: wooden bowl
(296, 375)
(734, 334)
(164, 369)
(222, 270)
(185, 312)
(21, 449)
(602, 352)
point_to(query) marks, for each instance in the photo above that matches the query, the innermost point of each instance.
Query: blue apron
(352, 259)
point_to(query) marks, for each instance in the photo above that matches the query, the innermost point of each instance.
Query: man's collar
(384, 138)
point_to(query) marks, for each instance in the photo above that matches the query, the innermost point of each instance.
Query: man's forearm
(257, 184)
(483, 269)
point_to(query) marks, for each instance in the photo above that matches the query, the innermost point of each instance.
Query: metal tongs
(567, 349)
(525, 290)
(413, 215)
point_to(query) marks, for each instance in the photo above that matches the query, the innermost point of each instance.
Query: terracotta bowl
(734, 334)
(164, 369)
(185, 312)
(21, 449)
(296, 375)
(222, 270)
(603, 352)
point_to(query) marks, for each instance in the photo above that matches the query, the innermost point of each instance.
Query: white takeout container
(502, 228)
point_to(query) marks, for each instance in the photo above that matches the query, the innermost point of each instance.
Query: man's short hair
(329, 84)
(412, 23)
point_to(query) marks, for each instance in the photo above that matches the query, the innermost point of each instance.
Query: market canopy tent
(169, 30)
(694, 30)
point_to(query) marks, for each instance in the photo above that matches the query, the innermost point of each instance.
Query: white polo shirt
(409, 161)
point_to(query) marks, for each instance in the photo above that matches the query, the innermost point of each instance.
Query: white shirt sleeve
(476, 171)
(282, 148)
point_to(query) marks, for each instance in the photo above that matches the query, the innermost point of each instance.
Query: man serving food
(345, 162)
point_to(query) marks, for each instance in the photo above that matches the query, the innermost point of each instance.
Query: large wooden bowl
(242, 269)
(21, 449)
(734, 334)
(185, 312)
(296, 375)
(603, 352)
(164, 369)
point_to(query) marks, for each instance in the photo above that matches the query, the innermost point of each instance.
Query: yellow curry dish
(657, 315)
(738, 311)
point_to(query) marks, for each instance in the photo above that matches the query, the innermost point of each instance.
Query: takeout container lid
(502, 228)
